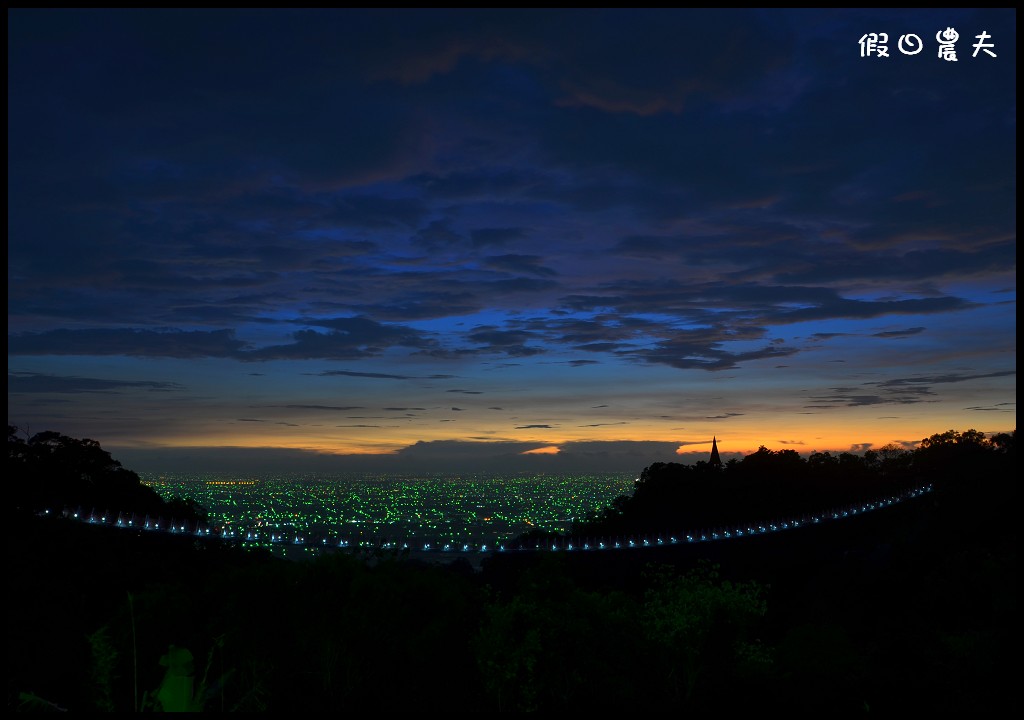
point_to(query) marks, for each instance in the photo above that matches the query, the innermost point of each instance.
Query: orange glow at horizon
(804, 434)
(548, 450)
(321, 445)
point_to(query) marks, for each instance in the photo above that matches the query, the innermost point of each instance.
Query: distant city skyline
(530, 240)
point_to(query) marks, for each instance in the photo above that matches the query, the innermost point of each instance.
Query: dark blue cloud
(527, 264)
(350, 338)
(899, 391)
(899, 333)
(352, 373)
(30, 382)
(941, 379)
(482, 237)
(424, 194)
(167, 342)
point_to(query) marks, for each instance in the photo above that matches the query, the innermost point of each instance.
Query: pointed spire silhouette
(715, 459)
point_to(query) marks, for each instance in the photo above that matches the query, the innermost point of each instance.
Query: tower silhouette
(715, 459)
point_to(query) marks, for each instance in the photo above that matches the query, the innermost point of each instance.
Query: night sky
(415, 240)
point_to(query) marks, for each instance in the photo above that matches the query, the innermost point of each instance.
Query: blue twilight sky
(543, 240)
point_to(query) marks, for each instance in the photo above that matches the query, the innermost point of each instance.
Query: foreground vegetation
(908, 609)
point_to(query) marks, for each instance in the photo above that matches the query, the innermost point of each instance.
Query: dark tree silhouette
(770, 484)
(905, 611)
(52, 472)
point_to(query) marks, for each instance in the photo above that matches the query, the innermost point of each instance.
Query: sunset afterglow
(456, 239)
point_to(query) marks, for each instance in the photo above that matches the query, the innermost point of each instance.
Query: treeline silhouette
(771, 484)
(910, 609)
(52, 472)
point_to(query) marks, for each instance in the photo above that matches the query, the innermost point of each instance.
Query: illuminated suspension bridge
(261, 537)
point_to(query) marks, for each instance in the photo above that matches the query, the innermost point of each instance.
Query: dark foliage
(54, 473)
(767, 485)
(910, 609)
